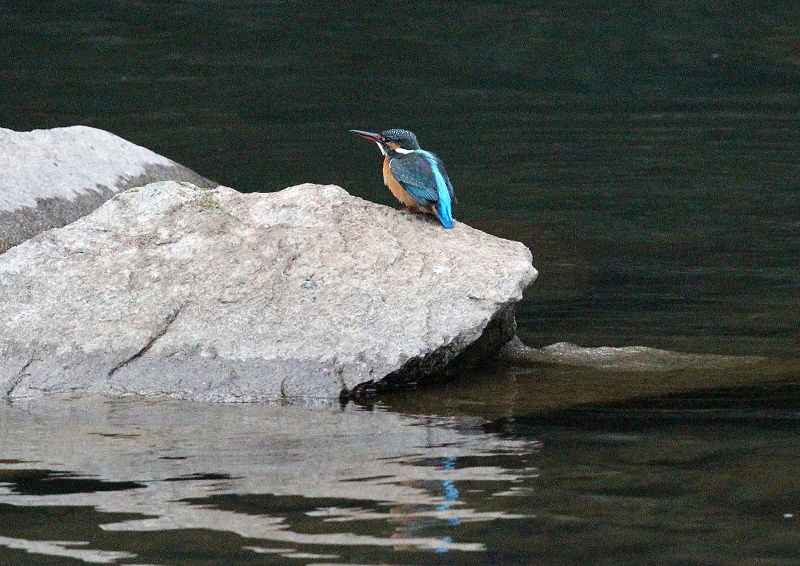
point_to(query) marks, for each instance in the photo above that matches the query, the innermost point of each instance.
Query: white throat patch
(404, 151)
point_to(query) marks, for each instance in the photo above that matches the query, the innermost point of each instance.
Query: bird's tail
(444, 213)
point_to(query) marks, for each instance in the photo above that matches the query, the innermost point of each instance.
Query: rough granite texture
(216, 295)
(48, 178)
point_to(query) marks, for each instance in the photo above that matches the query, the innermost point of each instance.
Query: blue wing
(422, 174)
(440, 166)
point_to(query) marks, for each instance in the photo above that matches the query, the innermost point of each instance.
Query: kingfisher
(414, 176)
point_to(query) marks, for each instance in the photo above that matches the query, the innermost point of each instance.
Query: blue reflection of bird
(416, 177)
(450, 491)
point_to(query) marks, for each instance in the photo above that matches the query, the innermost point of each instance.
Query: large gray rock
(48, 178)
(217, 295)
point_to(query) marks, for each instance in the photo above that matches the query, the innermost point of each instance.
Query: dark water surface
(646, 152)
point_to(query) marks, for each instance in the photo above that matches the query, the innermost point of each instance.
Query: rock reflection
(64, 550)
(309, 481)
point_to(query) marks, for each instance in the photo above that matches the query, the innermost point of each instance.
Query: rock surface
(217, 295)
(48, 178)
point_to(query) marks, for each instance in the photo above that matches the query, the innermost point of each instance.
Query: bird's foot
(413, 210)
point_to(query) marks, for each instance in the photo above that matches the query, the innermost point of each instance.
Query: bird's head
(391, 141)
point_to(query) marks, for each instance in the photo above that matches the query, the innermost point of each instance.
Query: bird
(415, 177)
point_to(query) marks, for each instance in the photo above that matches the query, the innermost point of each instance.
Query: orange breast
(397, 189)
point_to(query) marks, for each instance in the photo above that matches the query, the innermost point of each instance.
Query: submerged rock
(217, 295)
(48, 178)
(626, 358)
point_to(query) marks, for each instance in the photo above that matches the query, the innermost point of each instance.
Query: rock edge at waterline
(216, 295)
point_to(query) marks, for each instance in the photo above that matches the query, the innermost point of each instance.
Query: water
(678, 479)
(647, 154)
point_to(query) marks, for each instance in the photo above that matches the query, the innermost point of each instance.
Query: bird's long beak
(371, 136)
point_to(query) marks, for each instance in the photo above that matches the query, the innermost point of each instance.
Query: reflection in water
(546, 382)
(450, 496)
(705, 476)
(412, 520)
(315, 480)
(65, 550)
